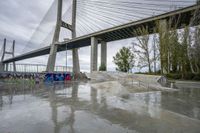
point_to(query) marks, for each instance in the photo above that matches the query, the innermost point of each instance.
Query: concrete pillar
(1, 67)
(13, 54)
(74, 4)
(52, 58)
(4, 50)
(104, 53)
(53, 50)
(94, 54)
(6, 66)
(75, 58)
(14, 67)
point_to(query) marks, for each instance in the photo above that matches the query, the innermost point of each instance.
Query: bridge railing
(36, 68)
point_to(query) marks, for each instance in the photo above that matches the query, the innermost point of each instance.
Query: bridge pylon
(4, 67)
(54, 46)
(94, 54)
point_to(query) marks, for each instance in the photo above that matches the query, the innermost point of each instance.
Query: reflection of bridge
(135, 113)
(183, 16)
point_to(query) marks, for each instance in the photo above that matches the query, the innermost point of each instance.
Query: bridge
(124, 31)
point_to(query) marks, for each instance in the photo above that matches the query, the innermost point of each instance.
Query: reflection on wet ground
(79, 108)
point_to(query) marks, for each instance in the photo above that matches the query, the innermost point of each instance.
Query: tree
(124, 59)
(185, 67)
(174, 51)
(143, 49)
(163, 45)
(194, 48)
(156, 54)
(168, 44)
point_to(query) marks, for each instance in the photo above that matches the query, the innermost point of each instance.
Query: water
(78, 107)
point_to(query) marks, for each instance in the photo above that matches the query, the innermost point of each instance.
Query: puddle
(101, 108)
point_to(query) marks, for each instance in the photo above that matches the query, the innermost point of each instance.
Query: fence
(37, 68)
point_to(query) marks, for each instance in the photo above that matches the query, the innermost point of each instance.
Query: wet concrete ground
(79, 107)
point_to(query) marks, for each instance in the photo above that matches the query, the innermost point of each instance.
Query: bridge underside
(117, 33)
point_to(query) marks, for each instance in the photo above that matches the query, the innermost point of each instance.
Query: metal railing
(131, 80)
(36, 68)
(134, 82)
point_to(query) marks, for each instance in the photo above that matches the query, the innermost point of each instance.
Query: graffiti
(50, 77)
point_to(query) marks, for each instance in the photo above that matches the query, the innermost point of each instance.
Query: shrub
(188, 76)
(196, 77)
(174, 76)
(102, 67)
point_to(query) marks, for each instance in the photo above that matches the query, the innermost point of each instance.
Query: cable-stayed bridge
(94, 21)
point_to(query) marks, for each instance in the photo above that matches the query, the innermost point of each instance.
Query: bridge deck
(116, 33)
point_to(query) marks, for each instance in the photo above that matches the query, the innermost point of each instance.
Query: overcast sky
(19, 20)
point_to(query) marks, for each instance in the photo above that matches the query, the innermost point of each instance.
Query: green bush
(188, 76)
(147, 73)
(102, 67)
(174, 76)
(196, 77)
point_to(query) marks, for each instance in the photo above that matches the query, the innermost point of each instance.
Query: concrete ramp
(110, 88)
(106, 76)
(99, 76)
(129, 80)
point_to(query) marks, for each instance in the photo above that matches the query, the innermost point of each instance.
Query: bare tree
(142, 48)
(194, 48)
(194, 42)
(156, 54)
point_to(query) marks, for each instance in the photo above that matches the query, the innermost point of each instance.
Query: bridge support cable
(102, 15)
(45, 26)
(113, 13)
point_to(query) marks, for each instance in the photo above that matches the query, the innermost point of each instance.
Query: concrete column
(74, 4)
(13, 54)
(14, 67)
(52, 58)
(75, 58)
(94, 54)
(1, 67)
(53, 50)
(4, 50)
(76, 67)
(6, 66)
(104, 53)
